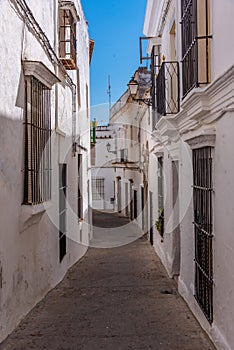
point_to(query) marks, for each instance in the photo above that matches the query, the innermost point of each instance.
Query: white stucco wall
(205, 110)
(223, 229)
(103, 165)
(29, 256)
(222, 28)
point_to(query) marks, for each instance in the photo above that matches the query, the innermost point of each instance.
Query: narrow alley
(119, 298)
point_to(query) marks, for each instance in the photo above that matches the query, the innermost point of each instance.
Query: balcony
(168, 89)
(67, 34)
(196, 41)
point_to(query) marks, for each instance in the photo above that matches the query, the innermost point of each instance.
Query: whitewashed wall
(103, 165)
(29, 255)
(206, 110)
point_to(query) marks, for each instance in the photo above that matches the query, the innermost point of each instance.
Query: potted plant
(159, 224)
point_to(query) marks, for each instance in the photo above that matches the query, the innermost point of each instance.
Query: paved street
(118, 298)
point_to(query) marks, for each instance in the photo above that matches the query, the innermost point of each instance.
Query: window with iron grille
(80, 184)
(37, 144)
(98, 188)
(135, 203)
(154, 66)
(196, 37)
(168, 88)
(203, 228)
(67, 35)
(62, 211)
(124, 155)
(160, 196)
(160, 184)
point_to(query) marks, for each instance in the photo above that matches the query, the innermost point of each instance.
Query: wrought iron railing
(168, 88)
(37, 147)
(195, 44)
(67, 39)
(203, 229)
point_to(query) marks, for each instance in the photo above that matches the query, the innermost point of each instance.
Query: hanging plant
(159, 224)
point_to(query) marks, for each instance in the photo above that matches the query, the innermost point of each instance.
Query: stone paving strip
(114, 298)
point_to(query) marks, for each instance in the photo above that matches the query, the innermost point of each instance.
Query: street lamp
(108, 147)
(133, 87)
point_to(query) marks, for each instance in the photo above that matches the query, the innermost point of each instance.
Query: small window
(67, 34)
(80, 186)
(98, 189)
(62, 211)
(124, 155)
(160, 184)
(37, 147)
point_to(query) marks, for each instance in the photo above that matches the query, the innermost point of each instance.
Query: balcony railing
(67, 39)
(195, 25)
(168, 88)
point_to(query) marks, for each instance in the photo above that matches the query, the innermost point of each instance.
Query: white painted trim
(202, 141)
(38, 70)
(60, 132)
(32, 214)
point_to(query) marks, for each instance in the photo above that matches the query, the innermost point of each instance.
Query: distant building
(102, 155)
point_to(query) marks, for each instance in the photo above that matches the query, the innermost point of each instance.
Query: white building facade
(45, 181)
(181, 153)
(193, 75)
(102, 155)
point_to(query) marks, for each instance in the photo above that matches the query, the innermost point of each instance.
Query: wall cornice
(41, 72)
(202, 107)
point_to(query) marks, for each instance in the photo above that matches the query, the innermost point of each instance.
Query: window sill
(31, 214)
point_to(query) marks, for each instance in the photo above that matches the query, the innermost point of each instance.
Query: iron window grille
(160, 184)
(80, 183)
(135, 204)
(67, 38)
(203, 229)
(195, 43)
(161, 192)
(168, 88)
(62, 211)
(155, 66)
(124, 155)
(37, 144)
(98, 188)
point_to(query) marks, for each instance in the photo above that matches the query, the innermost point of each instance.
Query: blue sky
(115, 26)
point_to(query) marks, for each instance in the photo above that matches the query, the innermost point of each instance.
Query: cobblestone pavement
(117, 299)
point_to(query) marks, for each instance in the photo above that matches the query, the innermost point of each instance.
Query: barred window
(196, 37)
(98, 189)
(37, 146)
(203, 228)
(80, 186)
(160, 184)
(124, 155)
(62, 211)
(67, 34)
